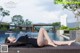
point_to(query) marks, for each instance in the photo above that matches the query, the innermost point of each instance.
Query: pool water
(30, 34)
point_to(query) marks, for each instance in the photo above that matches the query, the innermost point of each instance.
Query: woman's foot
(52, 44)
(71, 42)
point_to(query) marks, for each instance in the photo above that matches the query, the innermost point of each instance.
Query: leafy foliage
(56, 24)
(70, 6)
(4, 27)
(27, 22)
(3, 12)
(74, 7)
(18, 20)
(64, 27)
(67, 28)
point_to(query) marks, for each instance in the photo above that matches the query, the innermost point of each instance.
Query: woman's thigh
(40, 38)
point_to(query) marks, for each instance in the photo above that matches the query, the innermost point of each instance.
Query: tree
(56, 25)
(72, 5)
(27, 22)
(3, 13)
(17, 20)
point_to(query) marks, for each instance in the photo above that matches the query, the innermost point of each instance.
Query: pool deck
(74, 48)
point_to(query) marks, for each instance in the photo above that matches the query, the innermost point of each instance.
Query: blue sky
(37, 11)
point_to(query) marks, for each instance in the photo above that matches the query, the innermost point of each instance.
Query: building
(63, 20)
(33, 26)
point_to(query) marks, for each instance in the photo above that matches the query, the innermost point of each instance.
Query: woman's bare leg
(56, 42)
(40, 38)
(64, 42)
(43, 34)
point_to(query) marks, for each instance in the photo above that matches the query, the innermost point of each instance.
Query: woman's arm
(12, 40)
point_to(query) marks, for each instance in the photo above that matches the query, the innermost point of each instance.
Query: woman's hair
(6, 40)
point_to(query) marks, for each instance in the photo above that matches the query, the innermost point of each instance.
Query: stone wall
(73, 35)
(78, 35)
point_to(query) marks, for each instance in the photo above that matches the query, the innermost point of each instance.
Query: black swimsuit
(27, 40)
(33, 42)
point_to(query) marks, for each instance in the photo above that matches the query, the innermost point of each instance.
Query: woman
(42, 40)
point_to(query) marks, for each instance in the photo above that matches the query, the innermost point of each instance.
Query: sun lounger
(74, 48)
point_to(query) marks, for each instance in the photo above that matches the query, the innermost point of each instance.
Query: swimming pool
(30, 34)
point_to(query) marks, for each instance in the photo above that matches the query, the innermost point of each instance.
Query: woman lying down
(42, 40)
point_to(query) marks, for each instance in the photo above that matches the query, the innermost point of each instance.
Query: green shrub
(67, 28)
(63, 28)
(72, 28)
(3, 29)
(15, 29)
